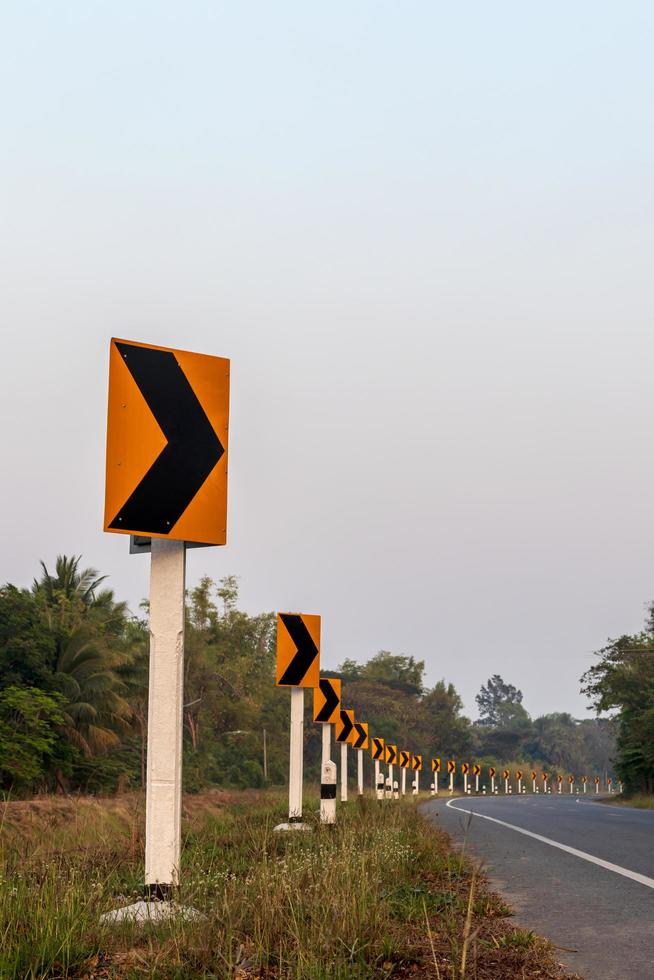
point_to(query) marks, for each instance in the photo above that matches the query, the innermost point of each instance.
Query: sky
(422, 232)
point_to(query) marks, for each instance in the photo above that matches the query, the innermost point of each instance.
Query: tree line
(74, 682)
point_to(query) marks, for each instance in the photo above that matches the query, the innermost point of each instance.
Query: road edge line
(600, 862)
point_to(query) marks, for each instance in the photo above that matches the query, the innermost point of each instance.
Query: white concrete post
(327, 812)
(360, 771)
(451, 783)
(571, 786)
(476, 784)
(396, 791)
(328, 791)
(379, 780)
(343, 772)
(416, 783)
(163, 805)
(403, 782)
(435, 784)
(506, 786)
(465, 783)
(584, 789)
(596, 788)
(493, 785)
(390, 780)
(296, 765)
(533, 785)
(560, 788)
(520, 787)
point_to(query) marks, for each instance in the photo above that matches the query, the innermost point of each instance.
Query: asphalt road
(603, 911)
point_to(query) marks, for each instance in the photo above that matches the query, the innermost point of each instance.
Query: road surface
(588, 885)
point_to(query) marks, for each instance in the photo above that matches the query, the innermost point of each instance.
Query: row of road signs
(166, 487)
(298, 667)
(544, 778)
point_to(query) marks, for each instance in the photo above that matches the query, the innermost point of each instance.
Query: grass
(641, 801)
(381, 894)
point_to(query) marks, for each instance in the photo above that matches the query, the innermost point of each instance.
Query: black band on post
(328, 791)
(295, 819)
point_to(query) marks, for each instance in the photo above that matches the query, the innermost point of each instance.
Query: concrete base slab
(292, 826)
(151, 912)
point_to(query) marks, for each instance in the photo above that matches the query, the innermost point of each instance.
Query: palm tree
(89, 628)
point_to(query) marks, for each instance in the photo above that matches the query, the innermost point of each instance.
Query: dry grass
(382, 894)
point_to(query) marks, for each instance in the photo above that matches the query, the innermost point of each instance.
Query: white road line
(615, 868)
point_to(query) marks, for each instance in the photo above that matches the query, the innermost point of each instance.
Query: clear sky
(423, 232)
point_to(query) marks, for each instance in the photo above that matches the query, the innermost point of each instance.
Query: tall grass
(377, 895)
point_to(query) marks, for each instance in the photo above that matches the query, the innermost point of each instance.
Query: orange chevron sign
(298, 650)
(167, 433)
(435, 765)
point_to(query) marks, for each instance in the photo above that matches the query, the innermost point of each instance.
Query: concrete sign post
(359, 772)
(163, 795)
(328, 791)
(379, 780)
(403, 783)
(343, 772)
(298, 666)
(166, 487)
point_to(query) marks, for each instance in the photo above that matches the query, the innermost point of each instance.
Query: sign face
(609, 782)
(345, 725)
(327, 700)
(476, 769)
(377, 748)
(465, 768)
(405, 759)
(559, 779)
(533, 775)
(451, 767)
(571, 779)
(416, 763)
(167, 431)
(435, 765)
(391, 754)
(584, 779)
(298, 650)
(506, 774)
(518, 774)
(597, 780)
(360, 735)
(492, 771)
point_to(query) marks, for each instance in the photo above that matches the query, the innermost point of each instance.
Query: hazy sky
(423, 232)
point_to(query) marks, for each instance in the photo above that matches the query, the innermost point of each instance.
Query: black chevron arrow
(362, 735)
(378, 745)
(404, 758)
(346, 728)
(392, 751)
(307, 651)
(191, 452)
(417, 762)
(332, 700)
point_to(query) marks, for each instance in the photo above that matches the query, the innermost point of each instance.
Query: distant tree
(499, 703)
(399, 672)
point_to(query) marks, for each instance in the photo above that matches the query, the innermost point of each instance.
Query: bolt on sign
(298, 650)
(344, 725)
(377, 749)
(416, 763)
(360, 737)
(435, 765)
(465, 768)
(476, 769)
(451, 766)
(492, 772)
(391, 754)
(327, 700)
(405, 759)
(167, 433)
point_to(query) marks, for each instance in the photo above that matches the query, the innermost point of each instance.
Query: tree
(29, 722)
(399, 672)
(499, 703)
(623, 683)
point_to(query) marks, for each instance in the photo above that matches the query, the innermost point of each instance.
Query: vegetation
(73, 707)
(381, 894)
(622, 682)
